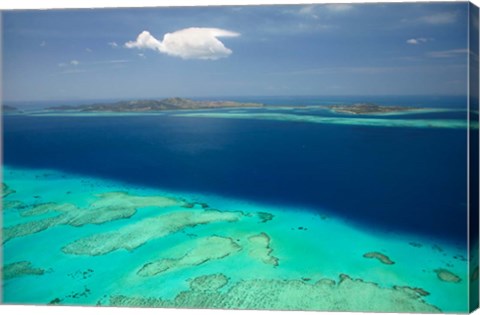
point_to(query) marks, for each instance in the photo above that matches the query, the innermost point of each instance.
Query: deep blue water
(394, 179)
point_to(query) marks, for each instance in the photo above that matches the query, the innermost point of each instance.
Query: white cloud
(439, 18)
(315, 10)
(88, 50)
(113, 44)
(188, 43)
(339, 7)
(74, 66)
(447, 53)
(416, 41)
(145, 40)
(43, 44)
(309, 10)
(141, 55)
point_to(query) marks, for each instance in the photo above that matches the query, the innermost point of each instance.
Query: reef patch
(20, 269)
(384, 259)
(108, 207)
(345, 295)
(135, 235)
(447, 276)
(259, 249)
(201, 251)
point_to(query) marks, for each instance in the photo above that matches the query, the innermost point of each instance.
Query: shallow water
(307, 245)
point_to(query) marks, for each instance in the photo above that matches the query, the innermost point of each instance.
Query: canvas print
(318, 157)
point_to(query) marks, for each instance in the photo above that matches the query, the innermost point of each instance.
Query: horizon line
(5, 102)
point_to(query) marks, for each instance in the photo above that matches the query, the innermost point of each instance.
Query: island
(9, 109)
(175, 103)
(370, 108)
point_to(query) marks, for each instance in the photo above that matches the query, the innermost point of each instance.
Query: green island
(178, 103)
(370, 108)
(173, 103)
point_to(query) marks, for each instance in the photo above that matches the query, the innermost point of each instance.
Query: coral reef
(6, 190)
(384, 259)
(108, 207)
(137, 234)
(447, 276)
(19, 269)
(200, 251)
(265, 216)
(346, 295)
(259, 248)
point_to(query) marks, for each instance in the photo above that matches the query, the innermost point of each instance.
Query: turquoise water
(309, 209)
(324, 247)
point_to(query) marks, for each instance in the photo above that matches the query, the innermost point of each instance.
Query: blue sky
(357, 49)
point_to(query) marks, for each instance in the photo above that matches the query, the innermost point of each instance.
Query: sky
(321, 49)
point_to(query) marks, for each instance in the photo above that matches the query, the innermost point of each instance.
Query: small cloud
(88, 50)
(113, 44)
(141, 55)
(43, 44)
(74, 65)
(338, 7)
(315, 10)
(145, 40)
(308, 10)
(447, 53)
(416, 41)
(114, 61)
(189, 43)
(439, 18)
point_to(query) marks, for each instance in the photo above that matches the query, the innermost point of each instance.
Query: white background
(45, 4)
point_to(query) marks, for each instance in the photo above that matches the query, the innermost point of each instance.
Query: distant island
(369, 108)
(9, 109)
(175, 103)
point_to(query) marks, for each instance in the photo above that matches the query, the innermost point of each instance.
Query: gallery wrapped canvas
(320, 157)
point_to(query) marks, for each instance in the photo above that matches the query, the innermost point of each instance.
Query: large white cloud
(188, 43)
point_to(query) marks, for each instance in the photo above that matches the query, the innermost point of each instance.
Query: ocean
(397, 185)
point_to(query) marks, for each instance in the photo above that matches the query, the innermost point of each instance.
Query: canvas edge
(473, 156)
